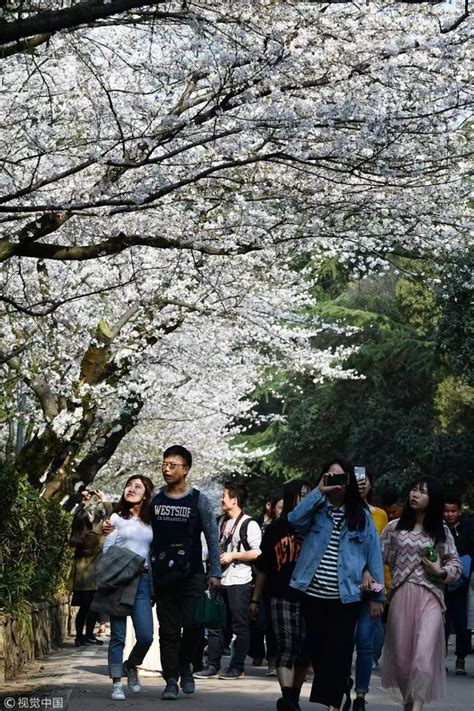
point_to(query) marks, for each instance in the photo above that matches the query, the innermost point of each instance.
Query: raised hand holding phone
(332, 486)
(361, 480)
(335, 479)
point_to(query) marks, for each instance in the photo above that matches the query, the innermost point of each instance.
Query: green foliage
(455, 333)
(267, 474)
(266, 478)
(411, 412)
(417, 305)
(455, 404)
(34, 544)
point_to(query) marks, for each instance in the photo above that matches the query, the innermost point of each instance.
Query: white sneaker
(118, 693)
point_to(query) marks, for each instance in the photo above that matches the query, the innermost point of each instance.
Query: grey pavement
(76, 680)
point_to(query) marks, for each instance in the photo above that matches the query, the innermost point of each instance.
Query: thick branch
(5, 357)
(454, 25)
(24, 46)
(87, 12)
(40, 387)
(114, 245)
(95, 363)
(36, 456)
(108, 443)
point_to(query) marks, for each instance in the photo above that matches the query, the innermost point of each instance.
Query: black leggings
(88, 617)
(330, 626)
(85, 616)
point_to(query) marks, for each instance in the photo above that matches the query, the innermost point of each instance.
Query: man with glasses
(179, 513)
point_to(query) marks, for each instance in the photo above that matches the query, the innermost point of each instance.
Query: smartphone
(333, 479)
(376, 587)
(360, 474)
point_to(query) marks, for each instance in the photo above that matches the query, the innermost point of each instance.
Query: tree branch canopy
(172, 176)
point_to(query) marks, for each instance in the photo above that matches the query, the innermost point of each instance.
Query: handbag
(210, 611)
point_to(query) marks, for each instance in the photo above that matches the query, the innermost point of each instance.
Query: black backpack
(244, 534)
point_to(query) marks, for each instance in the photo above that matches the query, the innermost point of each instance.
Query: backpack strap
(243, 533)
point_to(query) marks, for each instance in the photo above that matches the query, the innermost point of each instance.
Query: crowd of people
(324, 577)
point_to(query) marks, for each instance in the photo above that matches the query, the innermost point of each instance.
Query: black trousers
(330, 626)
(456, 619)
(238, 598)
(85, 616)
(179, 638)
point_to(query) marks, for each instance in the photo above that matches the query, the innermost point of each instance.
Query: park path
(76, 680)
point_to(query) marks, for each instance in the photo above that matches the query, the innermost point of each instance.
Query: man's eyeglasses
(171, 465)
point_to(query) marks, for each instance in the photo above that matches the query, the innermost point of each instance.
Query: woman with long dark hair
(340, 543)
(261, 629)
(132, 531)
(277, 506)
(276, 511)
(280, 548)
(87, 540)
(413, 660)
(265, 517)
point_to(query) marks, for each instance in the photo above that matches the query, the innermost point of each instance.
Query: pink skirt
(414, 651)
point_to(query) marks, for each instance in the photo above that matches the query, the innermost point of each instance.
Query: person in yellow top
(367, 626)
(379, 517)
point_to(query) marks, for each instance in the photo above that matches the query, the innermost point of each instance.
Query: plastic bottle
(432, 556)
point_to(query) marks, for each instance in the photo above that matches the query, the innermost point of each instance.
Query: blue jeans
(364, 639)
(143, 624)
(379, 639)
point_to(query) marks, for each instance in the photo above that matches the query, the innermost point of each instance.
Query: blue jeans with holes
(364, 638)
(143, 624)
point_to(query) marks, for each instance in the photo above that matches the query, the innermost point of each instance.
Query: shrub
(34, 533)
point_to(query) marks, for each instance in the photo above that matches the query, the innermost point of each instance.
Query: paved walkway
(76, 680)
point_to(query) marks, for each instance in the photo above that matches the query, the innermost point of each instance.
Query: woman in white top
(132, 531)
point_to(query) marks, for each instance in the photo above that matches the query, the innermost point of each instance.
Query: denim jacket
(357, 549)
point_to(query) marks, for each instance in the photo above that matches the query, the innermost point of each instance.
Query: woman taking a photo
(340, 542)
(421, 553)
(133, 532)
(86, 539)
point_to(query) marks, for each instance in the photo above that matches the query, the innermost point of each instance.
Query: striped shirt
(325, 582)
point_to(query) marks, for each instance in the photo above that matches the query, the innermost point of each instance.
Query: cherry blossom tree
(168, 170)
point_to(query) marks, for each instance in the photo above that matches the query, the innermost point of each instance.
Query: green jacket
(83, 569)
